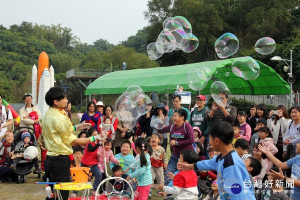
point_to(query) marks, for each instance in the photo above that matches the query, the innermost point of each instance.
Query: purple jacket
(184, 135)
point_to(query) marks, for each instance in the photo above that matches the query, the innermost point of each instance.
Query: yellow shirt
(57, 132)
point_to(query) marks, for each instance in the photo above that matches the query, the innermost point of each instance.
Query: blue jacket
(233, 178)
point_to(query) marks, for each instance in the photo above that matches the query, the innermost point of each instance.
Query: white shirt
(3, 119)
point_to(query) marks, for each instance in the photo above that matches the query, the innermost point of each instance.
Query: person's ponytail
(141, 143)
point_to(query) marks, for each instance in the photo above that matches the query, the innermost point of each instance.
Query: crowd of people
(216, 153)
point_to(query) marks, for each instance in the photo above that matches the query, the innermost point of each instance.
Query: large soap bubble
(168, 41)
(220, 93)
(184, 22)
(173, 25)
(197, 78)
(265, 45)
(181, 37)
(191, 44)
(246, 68)
(131, 105)
(155, 50)
(226, 45)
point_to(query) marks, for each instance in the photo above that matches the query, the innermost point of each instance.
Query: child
(266, 138)
(236, 131)
(272, 190)
(18, 154)
(253, 167)
(118, 184)
(197, 133)
(125, 158)
(158, 159)
(199, 149)
(89, 158)
(107, 128)
(143, 172)
(254, 140)
(107, 152)
(292, 163)
(185, 182)
(231, 170)
(245, 129)
(214, 194)
(241, 146)
(261, 157)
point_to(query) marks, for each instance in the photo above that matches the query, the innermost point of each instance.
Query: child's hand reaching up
(170, 175)
(262, 147)
(131, 139)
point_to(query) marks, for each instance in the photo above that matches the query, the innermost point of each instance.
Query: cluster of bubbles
(176, 35)
(131, 105)
(220, 93)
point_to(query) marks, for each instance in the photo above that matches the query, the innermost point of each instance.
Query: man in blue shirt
(233, 179)
(176, 99)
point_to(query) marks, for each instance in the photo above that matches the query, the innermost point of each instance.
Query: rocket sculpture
(42, 81)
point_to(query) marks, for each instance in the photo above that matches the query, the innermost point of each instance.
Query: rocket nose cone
(43, 58)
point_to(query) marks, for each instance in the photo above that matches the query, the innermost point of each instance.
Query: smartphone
(275, 112)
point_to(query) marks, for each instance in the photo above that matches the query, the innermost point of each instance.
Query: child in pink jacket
(266, 138)
(108, 154)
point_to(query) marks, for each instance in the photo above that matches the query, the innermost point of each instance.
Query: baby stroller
(24, 167)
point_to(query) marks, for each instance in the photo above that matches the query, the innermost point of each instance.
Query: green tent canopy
(165, 79)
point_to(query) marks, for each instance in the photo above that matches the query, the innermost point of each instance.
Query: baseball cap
(27, 95)
(202, 97)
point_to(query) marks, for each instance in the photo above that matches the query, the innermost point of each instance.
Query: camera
(275, 112)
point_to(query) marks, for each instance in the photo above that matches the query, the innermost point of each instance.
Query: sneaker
(38, 171)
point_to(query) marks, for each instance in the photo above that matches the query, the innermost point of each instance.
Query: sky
(90, 20)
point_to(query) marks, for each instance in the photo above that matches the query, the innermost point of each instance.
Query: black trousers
(57, 169)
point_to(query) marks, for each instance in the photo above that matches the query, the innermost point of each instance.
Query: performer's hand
(83, 125)
(99, 137)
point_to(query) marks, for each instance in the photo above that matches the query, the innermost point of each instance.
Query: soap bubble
(173, 25)
(155, 50)
(168, 41)
(219, 91)
(158, 123)
(187, 27)
(197, 78)
(166, 21)
(131, 105)
(191, 44)
(134, 88)
(265, 45)
(246, 68)
(227, 73)
(226, 45)
(181, 37)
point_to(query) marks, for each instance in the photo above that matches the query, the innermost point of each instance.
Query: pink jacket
(269, 142)
(109, 158)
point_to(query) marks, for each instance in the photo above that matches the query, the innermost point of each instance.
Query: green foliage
(74, 109)
(20, 46)
(83, 109)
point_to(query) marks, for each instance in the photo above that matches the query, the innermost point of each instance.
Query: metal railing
(93, 73)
